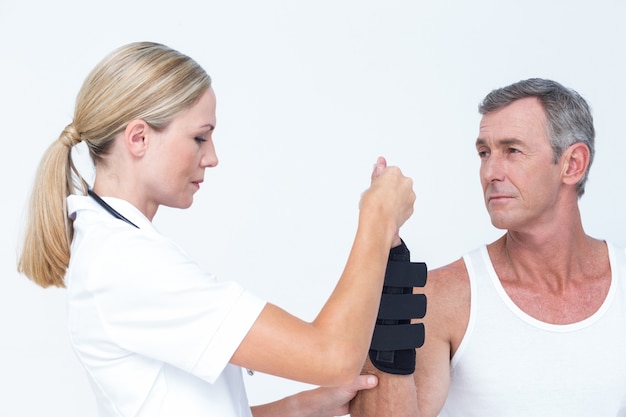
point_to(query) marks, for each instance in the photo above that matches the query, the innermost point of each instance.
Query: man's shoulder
(454, 271)
(449, 282)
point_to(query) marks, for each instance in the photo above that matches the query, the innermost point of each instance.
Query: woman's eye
(200, 139)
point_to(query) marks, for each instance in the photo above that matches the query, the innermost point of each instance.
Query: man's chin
(500, 222)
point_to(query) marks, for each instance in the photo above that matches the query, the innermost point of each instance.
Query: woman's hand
(379, 167)
(319, 402)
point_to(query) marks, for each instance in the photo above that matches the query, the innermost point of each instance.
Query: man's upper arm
(447, 291)
(432, 377)
(446, 321)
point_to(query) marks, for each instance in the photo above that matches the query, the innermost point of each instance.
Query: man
(533, 324)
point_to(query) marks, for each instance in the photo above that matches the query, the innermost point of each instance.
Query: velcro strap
(395, 339)
(399, 336)
(402, 306)
(405, 274)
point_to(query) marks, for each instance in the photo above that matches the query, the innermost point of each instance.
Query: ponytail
(46, 247)
(142, 80)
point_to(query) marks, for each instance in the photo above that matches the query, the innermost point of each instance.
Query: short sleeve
(154, 300)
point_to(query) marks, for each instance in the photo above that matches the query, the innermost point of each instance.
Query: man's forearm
(394, 396)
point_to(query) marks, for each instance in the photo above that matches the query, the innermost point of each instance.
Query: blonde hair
(142, 80)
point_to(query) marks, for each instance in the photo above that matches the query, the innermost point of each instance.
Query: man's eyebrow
(500, 142)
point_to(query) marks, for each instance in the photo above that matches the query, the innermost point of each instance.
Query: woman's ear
(575, 163)
(135, 137)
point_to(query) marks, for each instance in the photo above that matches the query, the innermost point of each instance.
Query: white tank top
(510, 364)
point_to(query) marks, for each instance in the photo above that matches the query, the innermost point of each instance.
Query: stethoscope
(108, 208)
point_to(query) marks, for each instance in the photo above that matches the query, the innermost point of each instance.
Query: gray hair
(568, 115)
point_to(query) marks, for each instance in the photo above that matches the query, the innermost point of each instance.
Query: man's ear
(575, 163)
(135, 137)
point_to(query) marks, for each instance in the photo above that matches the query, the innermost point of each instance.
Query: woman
(157, 335)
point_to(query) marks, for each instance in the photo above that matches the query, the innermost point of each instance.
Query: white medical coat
(153, 331)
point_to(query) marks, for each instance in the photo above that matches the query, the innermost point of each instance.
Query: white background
(309, 94)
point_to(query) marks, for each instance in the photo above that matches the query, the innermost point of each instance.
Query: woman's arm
(331, 350)
(319, 402)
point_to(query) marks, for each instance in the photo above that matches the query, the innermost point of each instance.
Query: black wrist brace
(395, 339)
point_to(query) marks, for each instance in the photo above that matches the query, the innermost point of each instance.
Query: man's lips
(498, 197)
